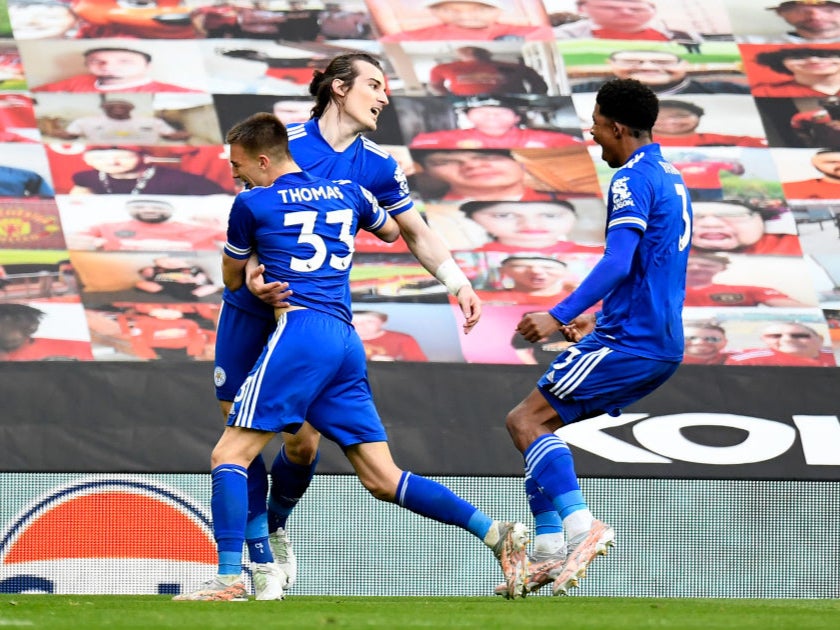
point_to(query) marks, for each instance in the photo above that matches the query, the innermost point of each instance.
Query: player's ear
(339, 87)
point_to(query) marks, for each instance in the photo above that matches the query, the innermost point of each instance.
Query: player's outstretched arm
(432, 253)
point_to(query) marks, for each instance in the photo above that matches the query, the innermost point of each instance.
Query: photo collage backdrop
(114, 195)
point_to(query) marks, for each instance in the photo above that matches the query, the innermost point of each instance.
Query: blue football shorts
(588, 379)
(312, 369)
(240, 339)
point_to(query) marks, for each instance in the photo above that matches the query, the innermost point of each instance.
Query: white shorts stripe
(578, 372)
(251, 388)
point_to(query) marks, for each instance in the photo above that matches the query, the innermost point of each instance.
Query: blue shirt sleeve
(606, 275)
(373, 216)
(241, 230)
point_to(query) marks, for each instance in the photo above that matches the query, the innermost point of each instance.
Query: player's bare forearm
(428, 248)
(232, 272)
(431, 252)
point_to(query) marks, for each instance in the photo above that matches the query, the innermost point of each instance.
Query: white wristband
(450, 275)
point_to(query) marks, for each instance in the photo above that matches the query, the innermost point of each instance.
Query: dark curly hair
(630, 103)
(774, 59)
(343, 68)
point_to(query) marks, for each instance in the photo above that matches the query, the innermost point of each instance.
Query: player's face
(648, 67)
(292, 111)
(366, 99)
(526, 225)
(675, 121)
(603, 132)
(248, 169)
(810, 20)
(40, 21)
(703, 343)
(535, 275)
(701, 271)
(117, 64)
(827, 163)
(114, 161)
(471, 168)
(725, 227)
(466, 14)
(792, 339)
(493, 121)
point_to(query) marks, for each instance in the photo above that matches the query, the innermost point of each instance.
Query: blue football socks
(289, 482)
(430, 499)
(230, 513)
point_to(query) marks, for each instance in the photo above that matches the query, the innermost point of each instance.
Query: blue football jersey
(643, 314)
(302, 229)
(363, 162)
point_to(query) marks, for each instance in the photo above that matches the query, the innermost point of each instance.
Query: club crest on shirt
(621, 196)
(401, 179)
(219, 376)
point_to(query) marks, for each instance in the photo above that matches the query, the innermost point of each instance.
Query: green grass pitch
(92, 612)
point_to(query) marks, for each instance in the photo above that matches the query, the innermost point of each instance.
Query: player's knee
(218, 457)
(301, 452)
(518, 427)
(513, 423)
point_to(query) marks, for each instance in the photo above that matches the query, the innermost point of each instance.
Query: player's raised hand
(272, 293)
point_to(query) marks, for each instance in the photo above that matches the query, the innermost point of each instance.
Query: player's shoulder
(375, 151)
(296, 131)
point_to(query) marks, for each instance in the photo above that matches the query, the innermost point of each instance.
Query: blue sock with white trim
(256, 530)
(549, 462)
(433, 500)
(230, 512)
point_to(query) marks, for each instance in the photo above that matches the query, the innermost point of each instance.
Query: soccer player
(349, 96)
(624, 351)
(303, 228)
